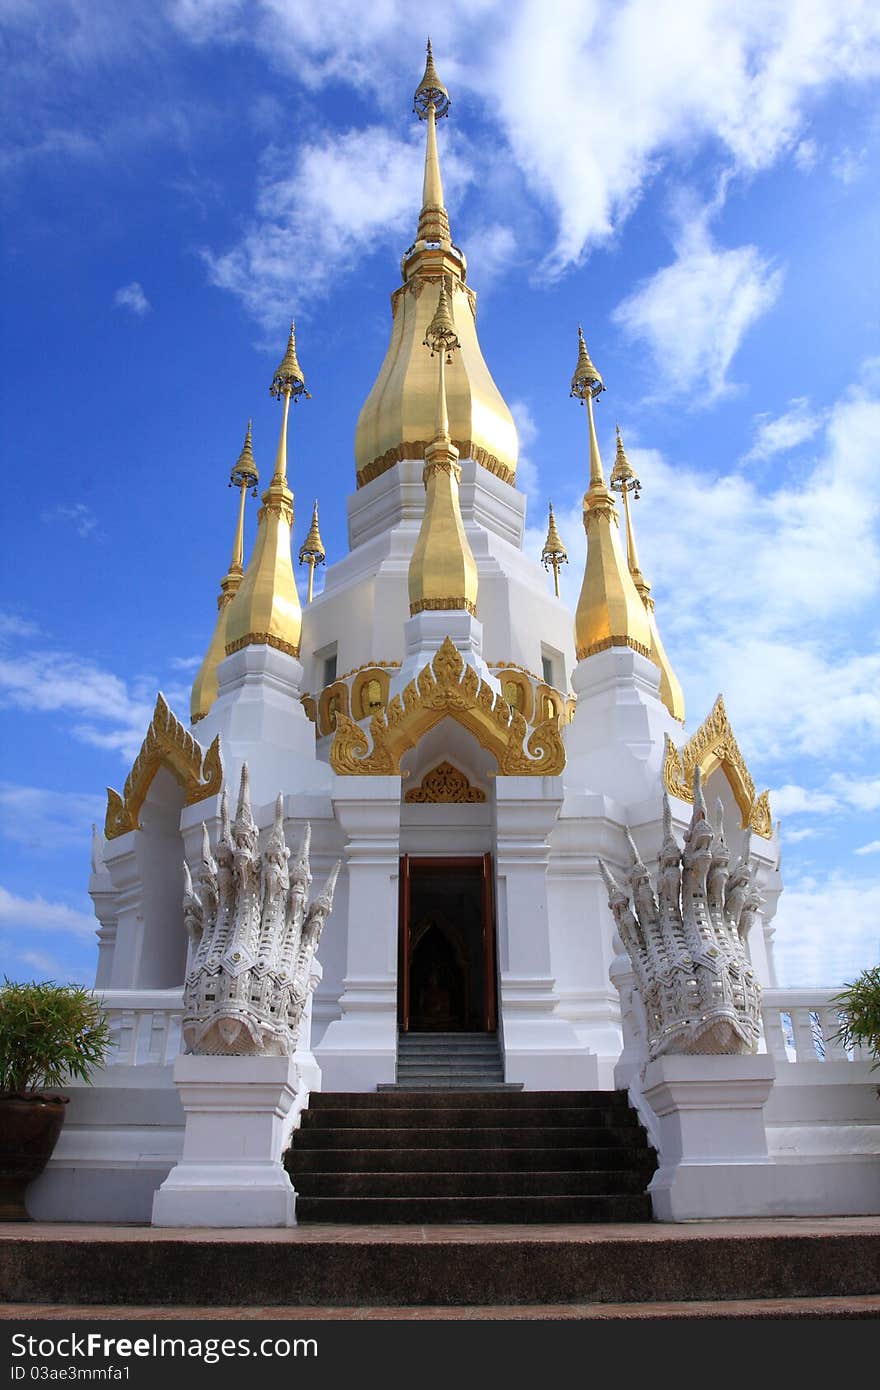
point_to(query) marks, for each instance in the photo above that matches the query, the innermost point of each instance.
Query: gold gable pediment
(445, 783)
(167, 744)
(713, 745)
(447, 687)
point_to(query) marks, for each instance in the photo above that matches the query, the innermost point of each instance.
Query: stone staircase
(449, 1059)
(470, 1156)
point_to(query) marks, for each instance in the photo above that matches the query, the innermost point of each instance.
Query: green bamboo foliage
(859, 1004)
(50, 1034)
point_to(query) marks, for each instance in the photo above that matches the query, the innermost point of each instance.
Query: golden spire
(624, 480)
(266, 609)
(431, 100)
(442, 571)
(554, 553)
(396, 421)
(245, 477)
(609, 611)
(312, 550)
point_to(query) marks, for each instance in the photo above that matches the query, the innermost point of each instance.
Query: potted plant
(49, 1034)
(859, 1004)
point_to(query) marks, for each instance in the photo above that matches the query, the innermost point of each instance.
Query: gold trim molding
(447, 686)
(167, 744)
(443, 783)
(262, 639)
(713, 745)
(416, 450)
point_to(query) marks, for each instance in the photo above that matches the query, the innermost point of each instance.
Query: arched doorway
(446, 979)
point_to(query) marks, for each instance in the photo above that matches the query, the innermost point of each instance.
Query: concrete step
(491, 1267)
(468, 1116)
(519, 1183)
(366, 1100)
(408, 1211)
(427, 1136)
(471, 1160)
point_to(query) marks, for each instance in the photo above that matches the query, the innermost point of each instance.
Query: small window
(329, 669)
(547, 670)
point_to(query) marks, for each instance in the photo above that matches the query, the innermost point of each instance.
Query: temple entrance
(446, 978)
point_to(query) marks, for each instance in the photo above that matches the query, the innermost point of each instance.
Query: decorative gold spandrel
(167, 744)
(714, 745)
(445, 783)
(447, 687)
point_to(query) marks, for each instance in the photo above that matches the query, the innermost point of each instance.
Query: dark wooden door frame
(481, 863)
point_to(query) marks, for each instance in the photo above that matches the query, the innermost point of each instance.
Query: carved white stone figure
(252, 938)
(687, 940)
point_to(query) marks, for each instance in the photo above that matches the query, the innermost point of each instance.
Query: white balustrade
(800, 1025)
(145, 1025)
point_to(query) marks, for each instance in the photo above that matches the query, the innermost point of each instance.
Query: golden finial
(430, 93)
(288, 379)
(312, 551)
(440, 335)
(244, 471)
(244, 476)
(586, 381)
(554, 553)
(625, 481)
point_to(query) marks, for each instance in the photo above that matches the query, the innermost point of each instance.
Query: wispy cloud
(775, 436)
(132, 297)
(808, 952)
(873, 847)
(45, 821)
(527, 478)
(694, 313)
(76, 517)
(41, 915)
(13, 625)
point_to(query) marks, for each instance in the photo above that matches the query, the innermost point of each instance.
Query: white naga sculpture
(686, 939)
(252, 938)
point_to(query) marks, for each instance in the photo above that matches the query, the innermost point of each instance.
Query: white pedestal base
(230, 1173)
(713, 1143)
(424, 634)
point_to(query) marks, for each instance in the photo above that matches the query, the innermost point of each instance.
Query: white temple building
(469, 749)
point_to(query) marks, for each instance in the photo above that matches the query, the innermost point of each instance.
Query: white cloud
(347, 194)
(792, 800)
(45, 820)
(827, 930)
(527, 478)
(849, 165)
(806, 154)
(794, 837)
(862, 793)
(77, 517)
(693, 314)
(38, 914)
(132, 297)
(873, 847)
(796, 425)
(185, 663)
(13, 625)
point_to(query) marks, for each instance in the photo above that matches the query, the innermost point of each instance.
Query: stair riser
(475, 1160)
(428, 1138)
(347, 1100)
(409, 1211)
(468, 1117)
(445, 1273)
(517, 1184)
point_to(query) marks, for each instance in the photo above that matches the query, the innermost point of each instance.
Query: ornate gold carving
(167, 744)
(447, 687)
(607, 642)
(369, 692)
(713, 745)
(416, 450)
(332, 702)
(440, 605)
(261, 639)
(310, 707)
(445, 783)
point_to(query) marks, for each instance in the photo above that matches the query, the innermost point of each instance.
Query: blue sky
(697, 183)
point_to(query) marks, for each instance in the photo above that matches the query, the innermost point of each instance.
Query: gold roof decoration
(244, 476)
(554, 553)
(396, 421)
(313, 546)
(625, 481)
(447, 687)
(442, 568)
(609, 612)
(167, 744)
(713, 745)
(445, 783)
(266, 610)
(585, 380)
(289, 379)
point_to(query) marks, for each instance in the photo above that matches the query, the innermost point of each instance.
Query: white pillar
(713, 1142)
(541, 1049)
(359, 1050)
(230, 1173)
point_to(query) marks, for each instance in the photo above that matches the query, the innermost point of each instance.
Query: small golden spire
(266, 610)
(312, 550)
(624, 480)
(245, 477)
(431, 100)
(442, 570)
(609, 612)
(554, 553)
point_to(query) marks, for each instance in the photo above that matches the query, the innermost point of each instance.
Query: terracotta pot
(29, 1130)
